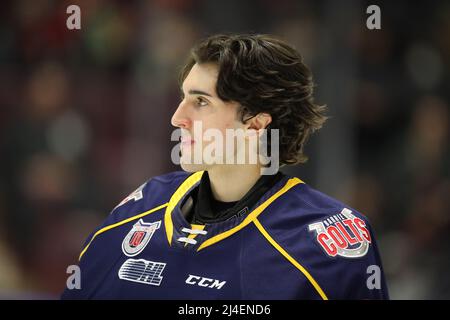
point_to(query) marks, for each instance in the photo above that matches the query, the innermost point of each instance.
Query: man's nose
(180, 118)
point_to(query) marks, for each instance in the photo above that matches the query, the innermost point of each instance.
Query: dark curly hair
(264, 75)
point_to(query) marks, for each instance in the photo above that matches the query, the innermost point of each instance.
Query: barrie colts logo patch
(343, 234)
(142, 271)
(138, 237)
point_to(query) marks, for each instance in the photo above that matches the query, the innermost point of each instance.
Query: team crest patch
(343, 235)
(138, 237)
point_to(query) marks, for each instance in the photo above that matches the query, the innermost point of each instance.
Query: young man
(224, 228)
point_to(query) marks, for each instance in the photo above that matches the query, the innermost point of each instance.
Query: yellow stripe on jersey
(290, 259)
(252, 215)
(119, 224)
(176, 197)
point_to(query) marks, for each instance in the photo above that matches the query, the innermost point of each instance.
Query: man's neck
(231, 182)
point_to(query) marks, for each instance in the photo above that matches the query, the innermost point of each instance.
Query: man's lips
(187, 141)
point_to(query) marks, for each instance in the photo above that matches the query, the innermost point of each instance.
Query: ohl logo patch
(142, 271)
(343, 234)
(138, 237)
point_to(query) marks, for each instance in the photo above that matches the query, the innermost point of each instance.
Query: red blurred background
(85, 119)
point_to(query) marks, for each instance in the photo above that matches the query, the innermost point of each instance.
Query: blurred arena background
(85, 119)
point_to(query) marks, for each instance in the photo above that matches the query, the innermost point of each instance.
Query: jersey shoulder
(150, 197)
(151, 194)
(310, 204)
(333, 242)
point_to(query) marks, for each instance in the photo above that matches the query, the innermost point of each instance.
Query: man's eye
(201, 102)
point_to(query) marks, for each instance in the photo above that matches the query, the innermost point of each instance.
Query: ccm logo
(205, 282)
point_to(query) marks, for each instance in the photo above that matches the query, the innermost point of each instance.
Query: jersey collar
(191, 182)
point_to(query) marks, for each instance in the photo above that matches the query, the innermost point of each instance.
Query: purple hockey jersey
(295, 243)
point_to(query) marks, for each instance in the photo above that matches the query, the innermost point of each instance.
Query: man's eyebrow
(200, 92)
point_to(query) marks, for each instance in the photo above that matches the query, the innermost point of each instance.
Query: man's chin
(191, 167)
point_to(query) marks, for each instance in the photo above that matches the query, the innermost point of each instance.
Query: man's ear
(260, 121)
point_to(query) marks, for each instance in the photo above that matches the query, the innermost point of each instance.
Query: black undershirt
(206, 209)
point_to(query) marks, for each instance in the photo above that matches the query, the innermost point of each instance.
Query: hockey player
(223, 228)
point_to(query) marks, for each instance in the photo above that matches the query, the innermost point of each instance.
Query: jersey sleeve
(98, 249)
(342, 254)
(134, 202)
